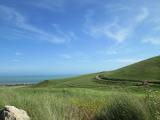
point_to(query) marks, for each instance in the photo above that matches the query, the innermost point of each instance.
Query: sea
(29, 79)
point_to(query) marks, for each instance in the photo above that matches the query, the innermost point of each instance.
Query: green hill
(79, 81)
(145, 70)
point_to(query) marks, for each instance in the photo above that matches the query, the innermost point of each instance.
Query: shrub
(152, 101)
(123, 108)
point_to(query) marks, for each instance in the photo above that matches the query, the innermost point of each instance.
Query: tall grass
(53, 104)
(127, 107)
(81, 104)
(123, 108)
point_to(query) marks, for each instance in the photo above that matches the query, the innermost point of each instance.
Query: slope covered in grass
(145, 70)
(79, 81)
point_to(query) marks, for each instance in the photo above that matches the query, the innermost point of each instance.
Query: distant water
(28, 79)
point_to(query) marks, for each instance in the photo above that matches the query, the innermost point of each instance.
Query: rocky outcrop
(13, 113)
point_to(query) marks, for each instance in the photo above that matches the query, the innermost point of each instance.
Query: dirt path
(98, 77)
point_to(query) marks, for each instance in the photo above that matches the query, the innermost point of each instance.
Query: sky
(76, 36)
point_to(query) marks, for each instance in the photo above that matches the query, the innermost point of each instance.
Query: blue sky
(76, 36)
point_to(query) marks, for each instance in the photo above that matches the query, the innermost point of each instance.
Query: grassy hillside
(91, 98)
(79, 81)
(145, 70)
(90, 81)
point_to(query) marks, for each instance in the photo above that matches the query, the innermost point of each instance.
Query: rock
(13, 113)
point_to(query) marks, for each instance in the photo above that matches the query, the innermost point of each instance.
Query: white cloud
(152, 40)
(143, 15)
(20, 21)
(112, 30)
(10, 14)
(116, 30)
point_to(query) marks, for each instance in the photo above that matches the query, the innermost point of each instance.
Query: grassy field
(81, 103)
(87, 98)
(55, 104)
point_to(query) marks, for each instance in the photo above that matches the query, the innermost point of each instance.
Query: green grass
(55, 103)
(123, 108)
(84, 81)
(89, 82)
(86, 98)
(79, 103)
(145, 70)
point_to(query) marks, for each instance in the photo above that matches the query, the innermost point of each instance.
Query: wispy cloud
(152, 40)
(11, 14)
(21, 22)
(143, 15)
(115, 30)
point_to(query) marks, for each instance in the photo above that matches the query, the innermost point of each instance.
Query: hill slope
(86, 81)
(145, 70)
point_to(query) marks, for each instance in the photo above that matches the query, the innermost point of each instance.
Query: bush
(152, 101)
(123, 108)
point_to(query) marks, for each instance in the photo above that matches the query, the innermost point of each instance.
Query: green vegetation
(131, 75)
(80, 81)
(127, 107)
(115, 95)
(82, 103)
(145, 70)
(123, 108)
(56, 103)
